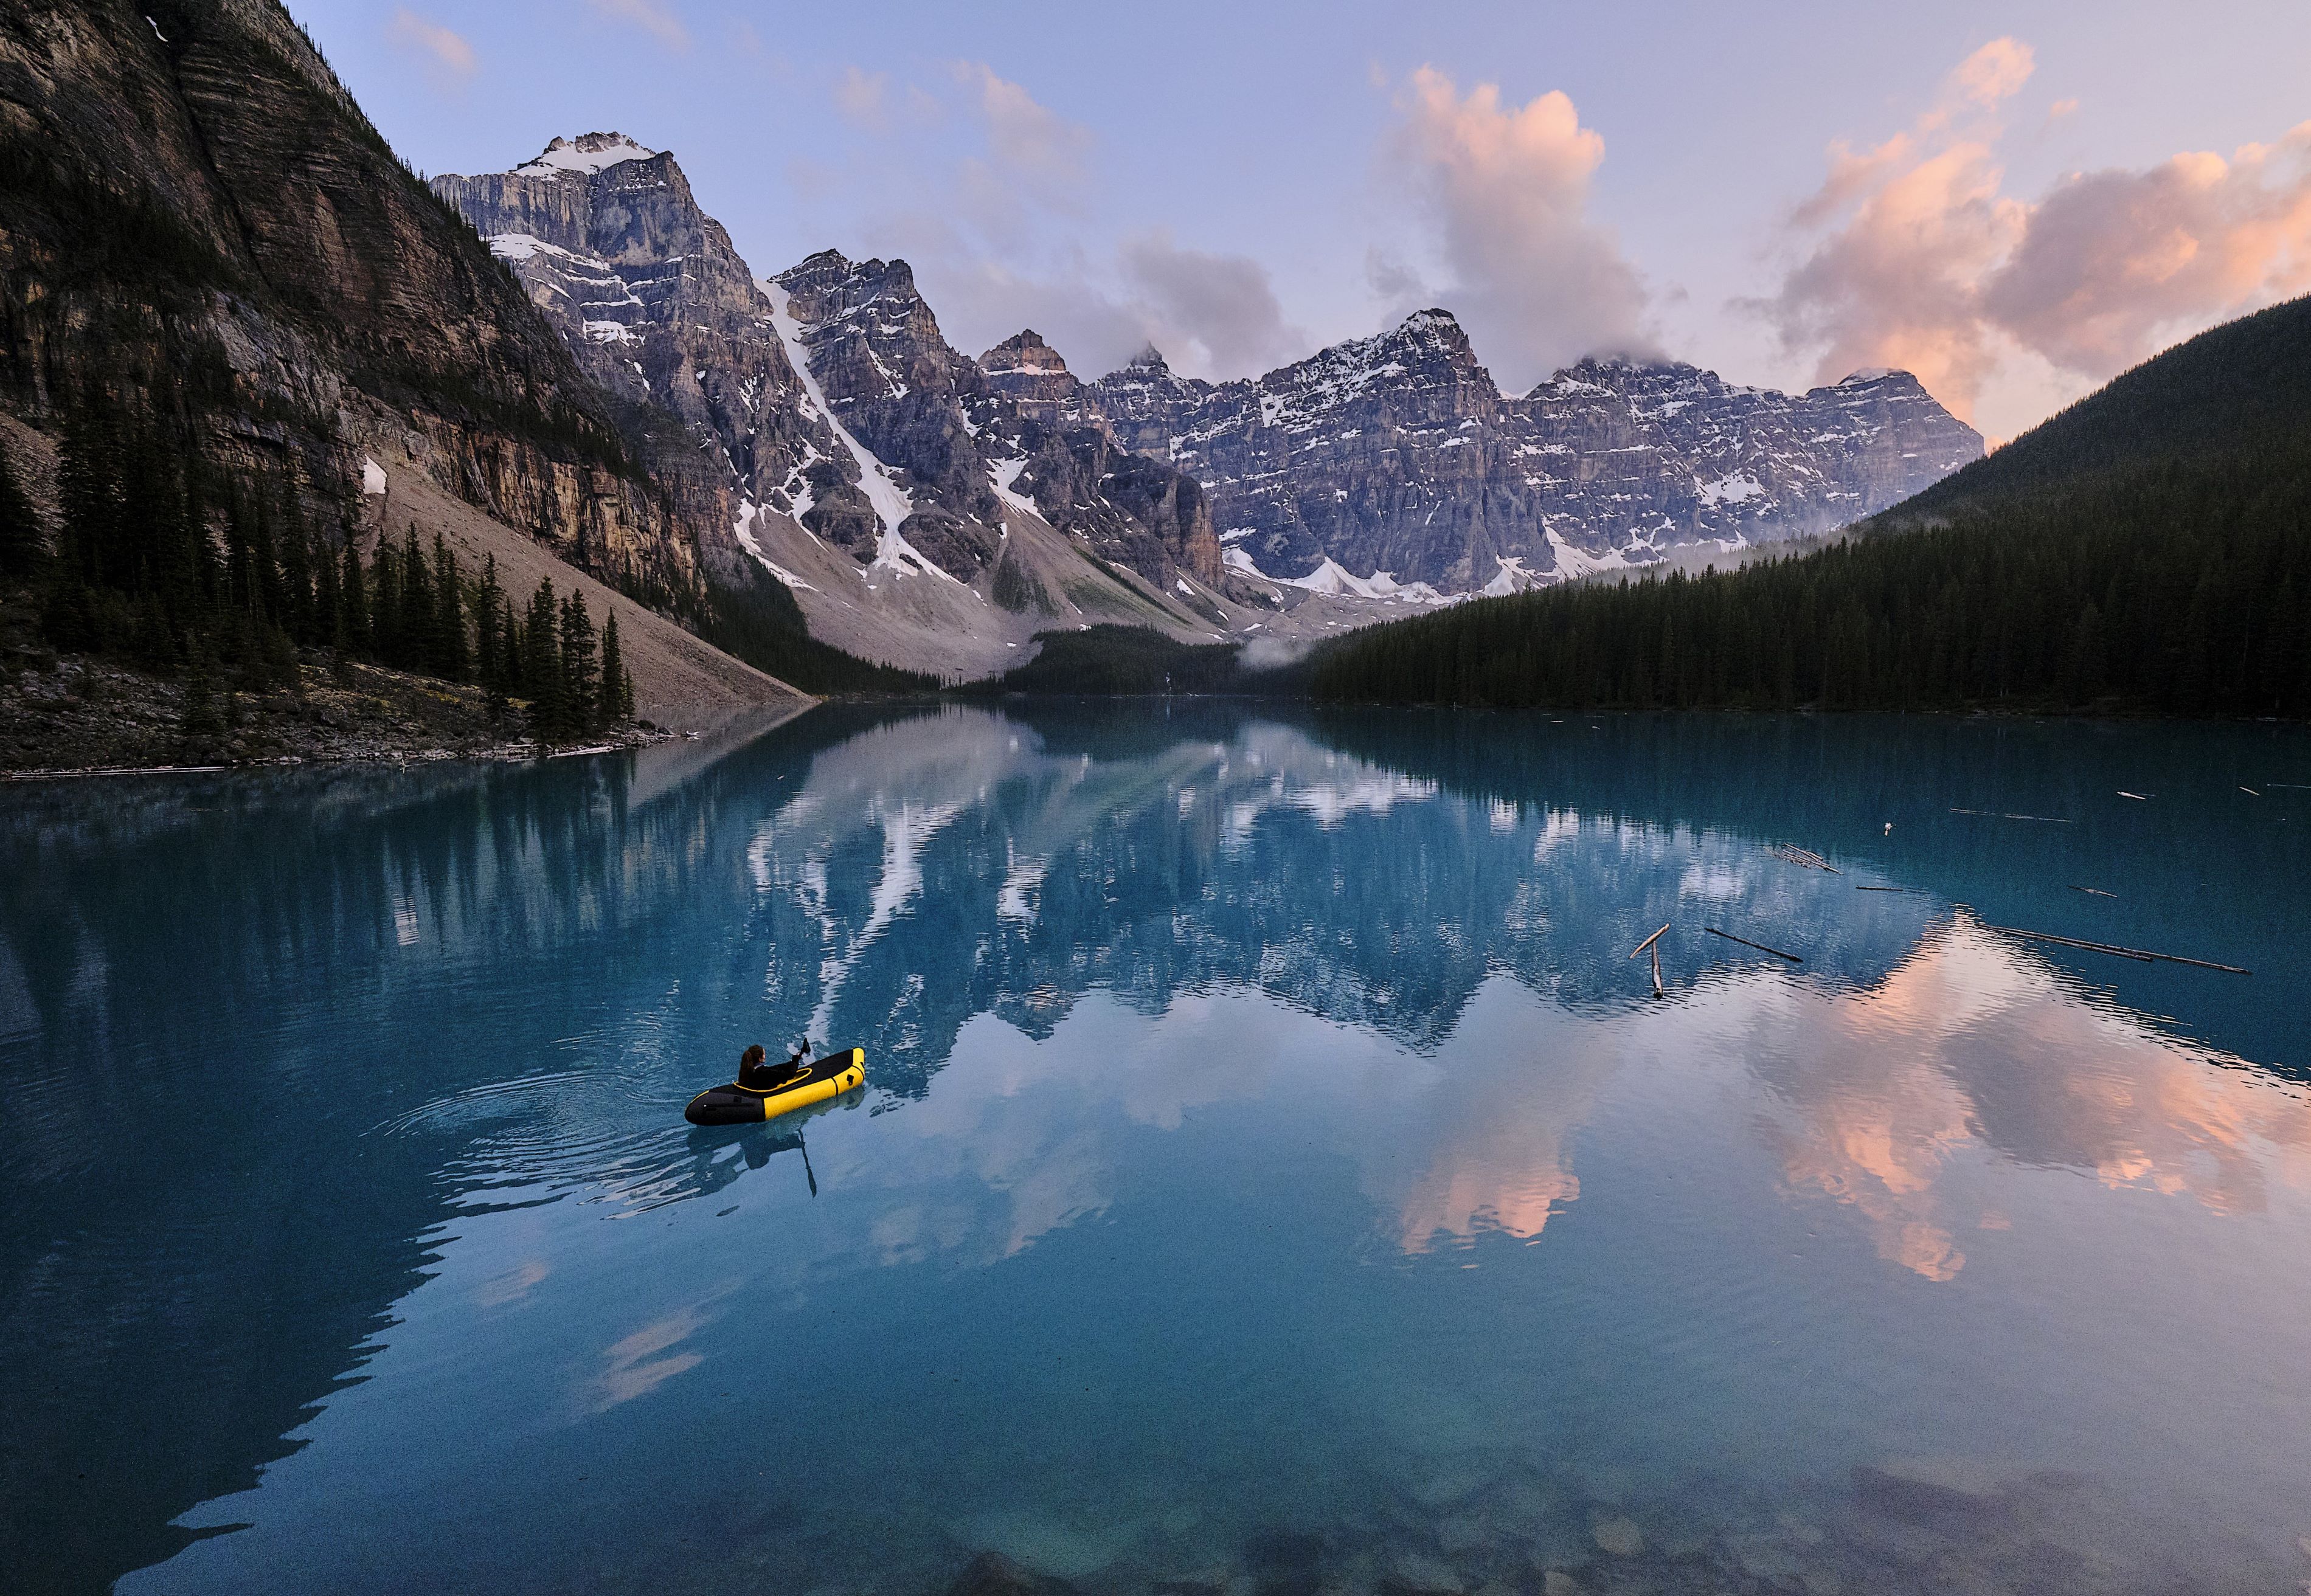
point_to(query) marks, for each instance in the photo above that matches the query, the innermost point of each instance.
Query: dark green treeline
(139, 573)
(2148, 549)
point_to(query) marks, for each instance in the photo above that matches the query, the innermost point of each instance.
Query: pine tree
(448, 614)
(22, 548)
(540, 666)
(616, 702)
(297, 577)
(199, 727)
(269, 598)
(353, 602)
(385, 628)
(328, 596)
(512, 651)
(88, 487)
(581, 673)
(485, 627)
(419, 629)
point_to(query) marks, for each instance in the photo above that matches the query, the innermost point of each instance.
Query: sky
(2014, 201)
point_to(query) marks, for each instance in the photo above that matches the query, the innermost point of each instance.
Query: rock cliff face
(1396, 457)
(660, 310)
(1030, 373)
(827, 394)
(200, 226)
(963, 442)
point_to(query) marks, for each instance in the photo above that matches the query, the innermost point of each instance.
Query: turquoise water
(1273, 1175)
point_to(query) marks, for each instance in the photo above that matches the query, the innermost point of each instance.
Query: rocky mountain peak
(1030, 373)
(1024, 351)
(588, 154)
(1397, 454)
(1436, 328)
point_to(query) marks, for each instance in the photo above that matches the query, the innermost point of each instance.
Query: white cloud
(445, 50)
(860, 98)
(653, 16)
(1219, 312)
(1212, 315)
(1536, 281)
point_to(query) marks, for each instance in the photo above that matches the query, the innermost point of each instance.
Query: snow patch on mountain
(588, 153)
(1736, 487)
(1006, 473)
(1332, 578)
(893, 553)
(744, 529)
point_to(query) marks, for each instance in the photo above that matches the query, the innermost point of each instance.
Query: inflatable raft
(815, 1081)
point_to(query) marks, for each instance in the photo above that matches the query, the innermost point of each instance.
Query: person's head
(753, 1056)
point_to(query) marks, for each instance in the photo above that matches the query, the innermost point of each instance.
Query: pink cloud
(1899, 284)
(2116, 262)
(1994, 73)
(1031, 144)
(444, 48)
(1537, 281)
(1914, 255)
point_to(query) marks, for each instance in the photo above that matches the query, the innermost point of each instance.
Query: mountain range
(866, 458)
(199, 225)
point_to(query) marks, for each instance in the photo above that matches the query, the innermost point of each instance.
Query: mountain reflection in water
(1262, 1031)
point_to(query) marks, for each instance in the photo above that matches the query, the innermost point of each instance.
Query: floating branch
(1760, 947)
(1652, 942)
(1999, 815)
(2141, 955)
(2140, 798)
(1802, 856)
(2250, 791)
(1889, 889)
(2094, 892)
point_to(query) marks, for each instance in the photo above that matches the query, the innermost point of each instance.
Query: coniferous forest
(2149, 549)
(140, 574)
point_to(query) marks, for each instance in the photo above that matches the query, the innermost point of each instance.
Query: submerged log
(2140, 955)
(1760, 947)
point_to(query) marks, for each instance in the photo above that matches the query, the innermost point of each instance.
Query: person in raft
(756, 1075)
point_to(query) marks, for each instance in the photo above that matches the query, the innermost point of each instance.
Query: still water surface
(1273, 1174)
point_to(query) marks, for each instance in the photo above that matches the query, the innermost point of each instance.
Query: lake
(1273, 1175)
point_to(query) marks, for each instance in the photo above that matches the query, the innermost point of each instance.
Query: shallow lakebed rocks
(1487, 1528)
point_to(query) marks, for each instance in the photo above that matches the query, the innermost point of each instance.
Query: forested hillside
(2148, 549)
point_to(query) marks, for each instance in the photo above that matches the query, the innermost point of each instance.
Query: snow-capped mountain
(606, 238)
(883, 476)
(915, 511)
(1396, 457)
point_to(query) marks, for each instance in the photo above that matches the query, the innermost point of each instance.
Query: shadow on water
(262, 1035)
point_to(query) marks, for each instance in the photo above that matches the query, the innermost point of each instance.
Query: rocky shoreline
(65, 715)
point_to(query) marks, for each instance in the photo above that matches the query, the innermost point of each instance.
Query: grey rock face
(1397, 454)
(326, 308)
(1030, 373)
(608, 240)
(645, 287)
(952, 431)
(892, 379)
